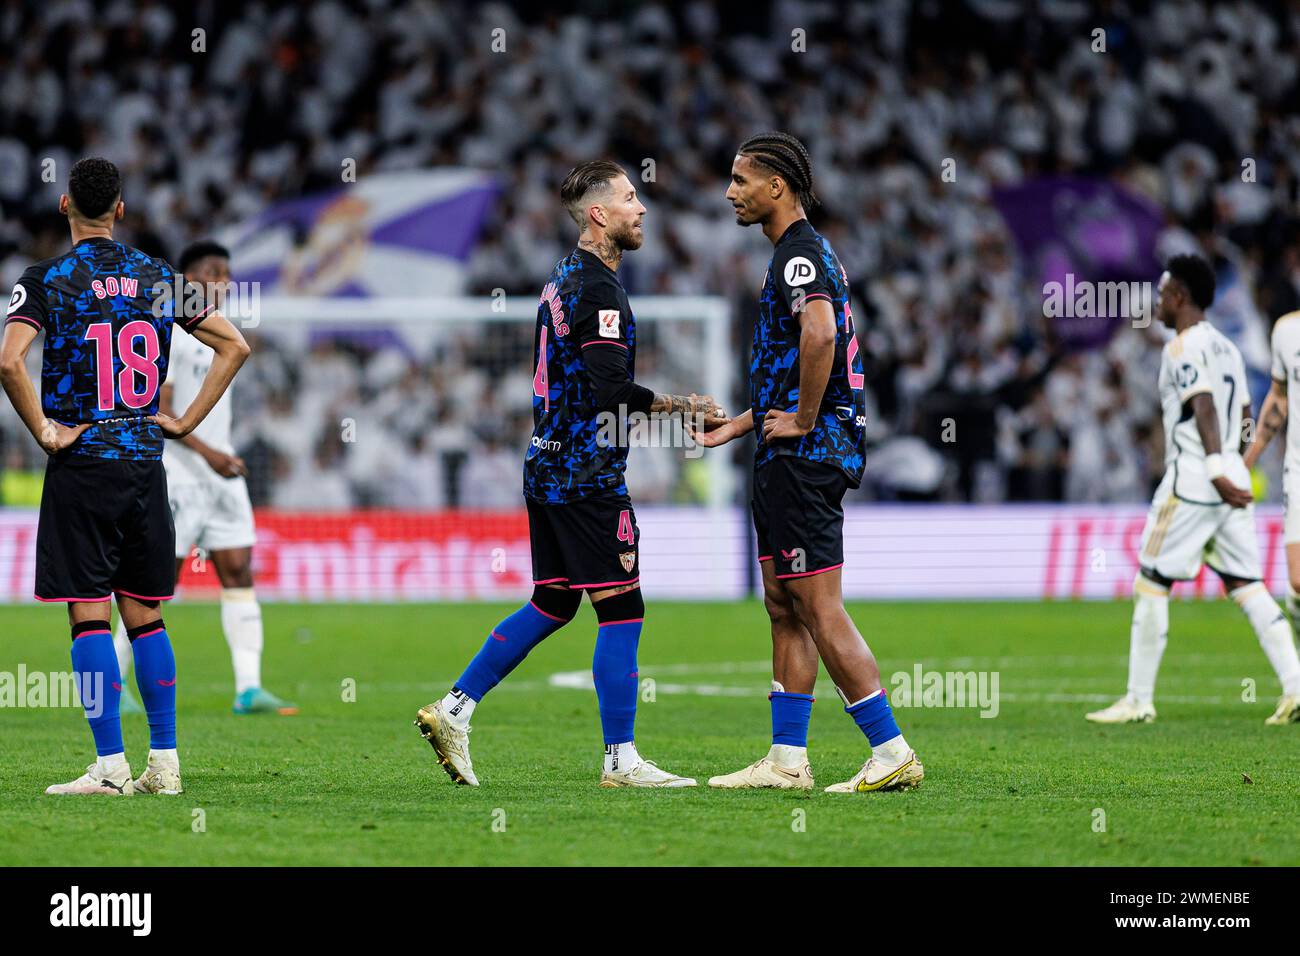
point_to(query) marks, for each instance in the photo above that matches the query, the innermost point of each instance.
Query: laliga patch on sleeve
(799, 271)
(608, 321)
(17, 299)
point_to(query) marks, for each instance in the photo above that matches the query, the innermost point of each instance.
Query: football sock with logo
(509, 643)
(155, 676)
(1273, 631)
(876, 719)
(1148, 637)
(94, 662)
(614, 667)
(241, 620)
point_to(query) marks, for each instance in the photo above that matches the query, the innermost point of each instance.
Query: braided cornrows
(788, 158)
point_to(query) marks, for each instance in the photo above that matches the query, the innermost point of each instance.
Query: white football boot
(1126, 710)
(876, 775)
(161, 776)
(765, 774)
(118, 783)
(1288, 711)
(449, 741)
(644, 773)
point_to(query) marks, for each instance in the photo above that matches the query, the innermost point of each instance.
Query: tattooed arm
(687, 405)
(1272, 419)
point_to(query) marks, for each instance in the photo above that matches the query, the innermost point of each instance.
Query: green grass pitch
(352, 783)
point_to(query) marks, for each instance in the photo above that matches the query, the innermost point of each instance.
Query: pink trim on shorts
(70, 600)
(807, 574)
(764, 557)
(604, 584)
(550, 580)
(142, 597)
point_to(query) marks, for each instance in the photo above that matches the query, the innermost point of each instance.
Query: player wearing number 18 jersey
(806, 403)
(107, 311)
(1202, 512)
(580, 520)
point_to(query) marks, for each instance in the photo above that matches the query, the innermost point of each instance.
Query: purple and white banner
(390, 234)
(1073, 230)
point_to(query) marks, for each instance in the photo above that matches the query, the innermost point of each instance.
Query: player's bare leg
(241, 622)
(794, 674)
(95, 665)
(1293, 580)
(819, 604)
(1275, 637)
(619, 613)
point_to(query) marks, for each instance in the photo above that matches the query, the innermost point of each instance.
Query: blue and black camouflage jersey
(805, 269)
(106, 342)
(586, 352)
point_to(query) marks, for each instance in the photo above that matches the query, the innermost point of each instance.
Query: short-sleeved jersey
(1202, 359)
(805, 269)
(570, 456)
(186, 369)
(106, 311)
(1286, 370)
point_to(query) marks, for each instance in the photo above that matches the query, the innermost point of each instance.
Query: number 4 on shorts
(625, 531)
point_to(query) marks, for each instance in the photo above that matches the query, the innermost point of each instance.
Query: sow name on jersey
(115, 285)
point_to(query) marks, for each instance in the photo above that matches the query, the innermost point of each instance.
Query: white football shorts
(213, 515)
(1181, 535)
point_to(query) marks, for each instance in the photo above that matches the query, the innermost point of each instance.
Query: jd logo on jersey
(17, 299)
(798, 271)
(1185, 375)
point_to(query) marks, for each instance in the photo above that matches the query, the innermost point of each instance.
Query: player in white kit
(1202, 512)
(209, 499)
(1282, 402)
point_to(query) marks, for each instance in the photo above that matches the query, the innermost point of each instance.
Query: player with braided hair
(806, 390)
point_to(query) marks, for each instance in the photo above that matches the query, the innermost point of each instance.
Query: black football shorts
(798, 511)
(105, 528)
(587, 544)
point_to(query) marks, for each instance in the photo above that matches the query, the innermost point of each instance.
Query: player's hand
(1231, 494)
(171, 427)
(778, 424)
(227, 466)
(704, 408)
(711, 436)
(55, 436)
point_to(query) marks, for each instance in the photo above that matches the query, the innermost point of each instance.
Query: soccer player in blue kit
(105, 528)
(581, 524)
(807, 405)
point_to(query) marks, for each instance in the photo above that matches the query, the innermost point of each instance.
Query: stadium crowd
(882, 93)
